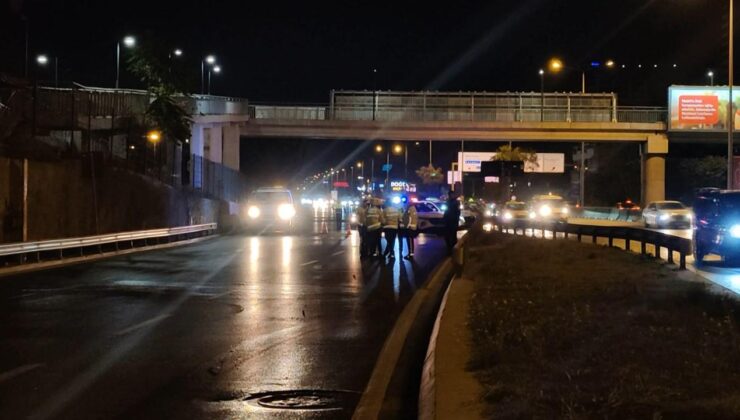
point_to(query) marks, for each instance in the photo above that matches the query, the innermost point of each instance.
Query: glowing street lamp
(42, 59)
(210, 60)
(710, 74)
(177, 52)
(154, 136)
(216, 69)
(128, 42)
(609, 64)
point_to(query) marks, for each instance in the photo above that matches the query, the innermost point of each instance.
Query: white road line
(309, 263)
(337, 253)
(146, 323)
(20, 370)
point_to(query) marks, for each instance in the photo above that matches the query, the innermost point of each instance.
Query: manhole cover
(305, 399)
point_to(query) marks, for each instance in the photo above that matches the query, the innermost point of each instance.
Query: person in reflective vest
(361, 228)
(390, 228)
(374, 224)
(409, 223)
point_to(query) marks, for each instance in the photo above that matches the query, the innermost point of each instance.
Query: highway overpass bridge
(219, 122)
(474, 116)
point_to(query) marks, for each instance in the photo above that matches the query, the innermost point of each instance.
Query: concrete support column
(231, 146)
(657, 149)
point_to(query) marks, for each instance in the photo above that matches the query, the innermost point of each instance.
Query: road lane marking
(146, 323)
(337, 253)
(309, 263)
(20, 370)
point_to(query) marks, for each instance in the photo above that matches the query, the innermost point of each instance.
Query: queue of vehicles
(715, 217)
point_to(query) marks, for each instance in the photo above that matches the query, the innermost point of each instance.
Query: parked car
(717, 224)
(667, 214)
(549, 207)
(431, 217)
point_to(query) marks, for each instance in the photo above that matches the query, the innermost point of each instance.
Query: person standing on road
(362, 228)
(452, 221)
(338, 214)
(374, 225)
(409, 222)
(390, 228)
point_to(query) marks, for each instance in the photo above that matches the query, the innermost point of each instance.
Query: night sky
(296, 52)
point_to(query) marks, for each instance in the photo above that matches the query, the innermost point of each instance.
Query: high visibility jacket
(374, 218)
(410, 218)
(361, 215)
(392, 217)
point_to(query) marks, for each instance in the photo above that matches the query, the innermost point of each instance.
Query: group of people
(393, 221)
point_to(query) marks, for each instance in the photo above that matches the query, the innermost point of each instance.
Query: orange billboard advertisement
(701, 108)
(698, 109)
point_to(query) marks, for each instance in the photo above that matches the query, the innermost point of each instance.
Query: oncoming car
(269, 208)
(514, 212)
(667, 214)
(717, 224)
(549, 207)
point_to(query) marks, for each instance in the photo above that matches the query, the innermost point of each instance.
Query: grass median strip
(570, 330)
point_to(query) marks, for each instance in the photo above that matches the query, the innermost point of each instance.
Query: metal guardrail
(606, 213)
(672, 243)
(55, 248)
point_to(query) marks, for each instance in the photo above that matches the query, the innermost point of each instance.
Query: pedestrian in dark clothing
(452, 221)
(338, 216)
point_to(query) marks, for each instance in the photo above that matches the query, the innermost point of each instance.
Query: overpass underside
(652, 136)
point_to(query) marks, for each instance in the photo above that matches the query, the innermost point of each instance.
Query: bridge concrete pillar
(656, 151)
(231, 133)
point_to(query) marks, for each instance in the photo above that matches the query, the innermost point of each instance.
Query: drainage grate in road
(306, 399)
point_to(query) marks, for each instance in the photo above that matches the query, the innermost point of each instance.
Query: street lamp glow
(42, 59)
(129, 41)
(178, 52)
(555, 65)
(359, 164)
(542, 72)
(378, 148)
(710, 74)
(397, 149)
(154, 136)
(217, 69)
(210, 59)
(610, 63)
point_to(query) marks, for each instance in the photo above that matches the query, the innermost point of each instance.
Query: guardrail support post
(611, 240)
(670, 255)
(682, 261)
(643, 247)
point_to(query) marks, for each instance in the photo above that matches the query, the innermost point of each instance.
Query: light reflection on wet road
(192, 331)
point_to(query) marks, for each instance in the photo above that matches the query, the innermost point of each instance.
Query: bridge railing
(68, 104)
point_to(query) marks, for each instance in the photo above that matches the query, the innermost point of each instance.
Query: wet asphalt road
(201, 331)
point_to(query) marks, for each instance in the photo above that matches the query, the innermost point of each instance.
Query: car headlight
(508, 216)
(286, 211)
(735, 231)
(532, 215)
(443, 207)
(253, 212)
(664, 217)
(545, 210)
(565, 210)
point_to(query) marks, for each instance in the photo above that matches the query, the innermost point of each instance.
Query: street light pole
(542, 95)
(730, 110)
(582, 175)
(711, 78)
(118, 61)
(583, 81)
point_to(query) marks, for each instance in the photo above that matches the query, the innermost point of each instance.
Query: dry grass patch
(571, 330)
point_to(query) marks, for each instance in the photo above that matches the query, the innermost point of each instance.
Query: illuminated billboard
(701, 108)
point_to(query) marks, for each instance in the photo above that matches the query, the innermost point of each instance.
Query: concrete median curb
(376, 402)
(447, 389)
